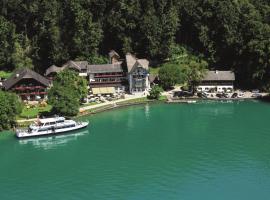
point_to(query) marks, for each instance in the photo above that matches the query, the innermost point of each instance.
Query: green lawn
(154, 70)
(33, 112)
(162, 98)
(131, 101)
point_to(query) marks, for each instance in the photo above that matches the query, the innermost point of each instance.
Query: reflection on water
(215, 109)
(147, 111)
(52, 142)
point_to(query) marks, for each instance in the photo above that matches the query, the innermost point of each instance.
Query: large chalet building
(217, 81)
(27, 84)
(138, 74)
(128, 75)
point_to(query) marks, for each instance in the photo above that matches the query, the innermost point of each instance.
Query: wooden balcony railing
(108, 75)
(22, 88)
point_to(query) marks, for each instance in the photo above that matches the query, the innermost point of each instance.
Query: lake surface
(209, 150)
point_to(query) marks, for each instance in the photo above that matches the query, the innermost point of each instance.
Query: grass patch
(162, 98)
(131, 101)
(5, 75)
(154, 70)
(32, 112)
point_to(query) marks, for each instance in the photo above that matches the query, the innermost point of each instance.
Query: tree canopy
(182, 67)
(10, 106)
(229, 34)
(67, 92)
(155, 92)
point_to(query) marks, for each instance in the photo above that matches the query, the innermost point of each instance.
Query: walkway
(127, 97)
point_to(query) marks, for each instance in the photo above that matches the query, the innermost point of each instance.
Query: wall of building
(139, 81)
(217, 88)
(30, 89)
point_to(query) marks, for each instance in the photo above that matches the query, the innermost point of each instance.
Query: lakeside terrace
(100, 105)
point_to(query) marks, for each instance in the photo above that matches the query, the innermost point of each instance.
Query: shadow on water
(52, 142)
(265, 99)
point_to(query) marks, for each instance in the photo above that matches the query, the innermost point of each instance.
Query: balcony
(106, 82)
(23, 88)
(33, 93)
(108, 75)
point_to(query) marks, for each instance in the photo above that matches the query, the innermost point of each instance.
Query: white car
(241, 94)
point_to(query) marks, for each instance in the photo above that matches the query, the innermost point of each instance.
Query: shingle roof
(117, 67)
(53, 69)
(144, 63)
(219, 76)
(131, 61)
(153, 78)
(79, 65)
(113, 53)
(25, 73)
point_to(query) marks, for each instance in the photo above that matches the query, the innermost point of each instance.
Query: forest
(228, 34)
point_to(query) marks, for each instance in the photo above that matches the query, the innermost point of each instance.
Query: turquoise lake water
(210, 150)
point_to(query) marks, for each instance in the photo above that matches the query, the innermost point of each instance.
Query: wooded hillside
(231, 34)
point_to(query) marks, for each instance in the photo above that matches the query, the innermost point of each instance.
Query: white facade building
(138, 74)
(217, 81)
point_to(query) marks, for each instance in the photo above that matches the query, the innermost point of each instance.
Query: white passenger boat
(50, 126)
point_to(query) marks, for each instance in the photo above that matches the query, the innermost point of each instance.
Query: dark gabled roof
(116, 67)
(78, 65)
(219, 76)
(81, 64)
(53, 69)
(113, 53)
(24, 73)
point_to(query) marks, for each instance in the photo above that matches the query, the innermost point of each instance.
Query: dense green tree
(193, 67)
(67, 92)
(155, 92)
(169, 75)
(10, 106)
(85, 34)
(20, 57)
(7, 40)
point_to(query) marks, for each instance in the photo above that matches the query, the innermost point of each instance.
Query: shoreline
(141, 101)
(187, 100)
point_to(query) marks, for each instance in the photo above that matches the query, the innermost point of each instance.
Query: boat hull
(22, 135)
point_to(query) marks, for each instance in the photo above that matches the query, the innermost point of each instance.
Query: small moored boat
(50, 126)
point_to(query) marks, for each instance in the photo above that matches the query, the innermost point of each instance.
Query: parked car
(226, 95)
(256, 95)
(241, 94)
(222, 95)
(201, 95)
(234, 95)
(255, 91)
(219, 95)
(182, 94)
